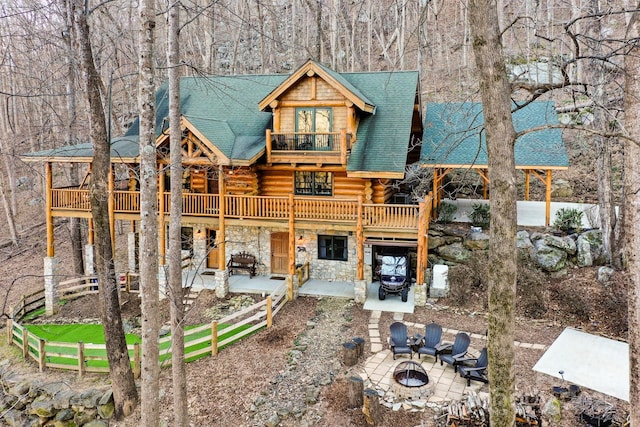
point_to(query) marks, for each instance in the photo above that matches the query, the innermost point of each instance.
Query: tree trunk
(74, 223)
(148, 216)
(500, 135)
(632, 210)
(124, 388)
(178, 369)
(596, 76)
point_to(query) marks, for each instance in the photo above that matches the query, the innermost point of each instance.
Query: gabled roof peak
(337, 81)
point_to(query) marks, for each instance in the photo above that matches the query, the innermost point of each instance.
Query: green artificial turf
(92, 333)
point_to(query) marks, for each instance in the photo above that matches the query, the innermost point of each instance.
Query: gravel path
(312, 363)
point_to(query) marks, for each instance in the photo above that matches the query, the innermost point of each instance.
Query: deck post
(80, 359)
(547, 210)
(269, 311)
(214, 338)
(48, 207)
(420, 291)
(291, 288)
(111, 208)
(51, 281)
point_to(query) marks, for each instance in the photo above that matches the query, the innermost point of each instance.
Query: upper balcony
(308, 147)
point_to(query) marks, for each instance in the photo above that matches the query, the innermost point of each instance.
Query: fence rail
(199, 342)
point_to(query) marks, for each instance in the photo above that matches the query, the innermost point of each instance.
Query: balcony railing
(308, 147)
(318, 209)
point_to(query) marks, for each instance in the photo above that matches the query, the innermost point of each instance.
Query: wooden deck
(75, 202)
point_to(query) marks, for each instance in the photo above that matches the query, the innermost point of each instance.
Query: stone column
(89, 260)
(132, 251)
(360, 291)
(199, 249)
(51, 291)
(221, 283)
(420, 294)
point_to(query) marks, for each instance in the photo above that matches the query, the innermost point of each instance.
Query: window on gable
(332, 248)
(313, 183)
(314, 127)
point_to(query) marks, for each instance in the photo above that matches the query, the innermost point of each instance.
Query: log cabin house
(301, 172)
(297, 170)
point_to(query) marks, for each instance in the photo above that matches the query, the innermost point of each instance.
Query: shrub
(568, 219)
(446, 212)
(480, 215)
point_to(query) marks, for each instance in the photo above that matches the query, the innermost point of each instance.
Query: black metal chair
(458, 350)
(432, 338)
(477, 372)
(398, 340)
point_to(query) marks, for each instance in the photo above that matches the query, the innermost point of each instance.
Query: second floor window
(313, 126)
(314, 183)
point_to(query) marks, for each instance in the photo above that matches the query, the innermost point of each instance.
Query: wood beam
(292, 246)
(111, 208)
(222, 190)
(360, 241)
(547, 211)
(161, 228)
(48, 204)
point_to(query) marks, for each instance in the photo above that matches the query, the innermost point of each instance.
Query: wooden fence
(86, 357)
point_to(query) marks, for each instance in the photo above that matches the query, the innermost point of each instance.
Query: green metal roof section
(454, 135)
(340, 78)
(121, 147)
(383, 138)
(224, 109)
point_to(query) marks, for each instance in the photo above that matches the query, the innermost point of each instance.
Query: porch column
(48, 207)
(527, 183)
(420, 291)
(547, 210)
(292, 291)
(51, 281)
(221, 278)
(162, 248)
(89, 252)
(199, 258)
(360, 285)
(111, 208)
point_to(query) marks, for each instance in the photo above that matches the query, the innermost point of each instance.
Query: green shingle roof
(121, 147)
(383, 137)
(224, 109)
(454, 135)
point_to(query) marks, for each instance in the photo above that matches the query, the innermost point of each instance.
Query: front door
(279, 253)
(212, 249)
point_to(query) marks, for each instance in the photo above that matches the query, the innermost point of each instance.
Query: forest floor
(293, 373)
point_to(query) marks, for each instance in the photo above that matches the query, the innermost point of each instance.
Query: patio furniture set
(454, 354)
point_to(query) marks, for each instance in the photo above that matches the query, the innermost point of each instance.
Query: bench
(242, 262)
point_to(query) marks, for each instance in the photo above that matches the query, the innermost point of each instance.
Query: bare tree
(632, 209)
(74, 223)
(148, 216)
(124, 388)
(495, 91)
(175, 241)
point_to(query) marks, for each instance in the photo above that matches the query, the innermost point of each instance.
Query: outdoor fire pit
(411, 381)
